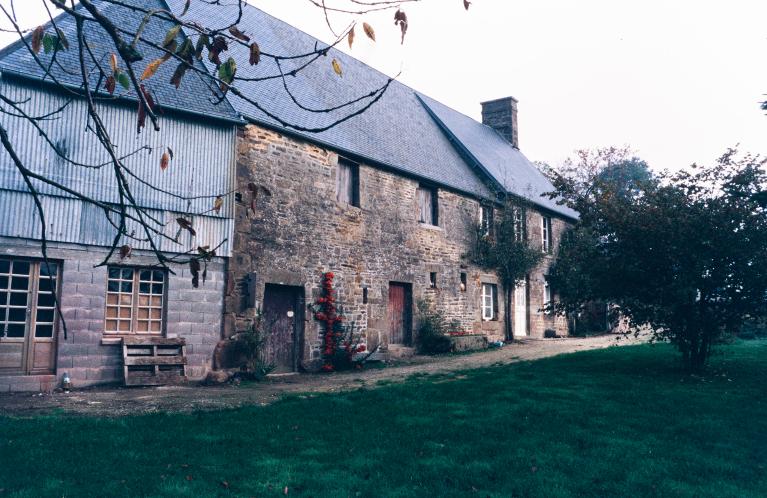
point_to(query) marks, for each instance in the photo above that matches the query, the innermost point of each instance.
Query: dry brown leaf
(337, 68)
(369, 31)
(151, 68)
(255, 54)
(113, 62)
(125, 251)
(186, 225)
(217, 204)
(37, 39)
(164, 160)
(350, 37)
(466, 4)
(109, 84)
(235, 31)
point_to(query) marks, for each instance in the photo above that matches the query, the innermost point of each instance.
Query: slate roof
(396, 131)
(507, 165)
(405, 130)
(193, 97)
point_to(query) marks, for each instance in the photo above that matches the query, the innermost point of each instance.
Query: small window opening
(433, 280)
(364, 295)
(463, 281)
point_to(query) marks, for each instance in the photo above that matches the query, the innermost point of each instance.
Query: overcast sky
(678, 81)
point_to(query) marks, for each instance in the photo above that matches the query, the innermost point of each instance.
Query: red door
(400, 323)
(283, 320)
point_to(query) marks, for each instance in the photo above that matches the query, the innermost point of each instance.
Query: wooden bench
(153, 361)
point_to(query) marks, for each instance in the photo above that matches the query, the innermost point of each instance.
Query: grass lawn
(617, 422)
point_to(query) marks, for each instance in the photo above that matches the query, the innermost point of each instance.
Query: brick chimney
(501, 115)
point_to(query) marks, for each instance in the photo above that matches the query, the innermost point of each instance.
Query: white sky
(678, 81)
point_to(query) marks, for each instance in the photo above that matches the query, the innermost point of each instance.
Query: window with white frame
(546, 233)
(519, 224)
(546, 295)
(135, 300)
(486, 220)
(489, 302)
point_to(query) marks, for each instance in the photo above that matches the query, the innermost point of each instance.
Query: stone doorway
(284, 320)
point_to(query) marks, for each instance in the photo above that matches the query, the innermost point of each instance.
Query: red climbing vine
(340, 344)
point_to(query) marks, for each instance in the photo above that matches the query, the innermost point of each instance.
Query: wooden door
(400, 322)
(520, 310)
(283, 320)
(27, 317)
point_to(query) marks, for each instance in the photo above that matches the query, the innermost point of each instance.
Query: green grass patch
(617, 422)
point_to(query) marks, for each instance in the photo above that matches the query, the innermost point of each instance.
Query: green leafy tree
(503, 247)
(682, 253)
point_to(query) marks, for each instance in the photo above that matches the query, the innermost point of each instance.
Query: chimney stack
(501, 115)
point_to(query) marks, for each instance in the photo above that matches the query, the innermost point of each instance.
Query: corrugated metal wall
(203, 165)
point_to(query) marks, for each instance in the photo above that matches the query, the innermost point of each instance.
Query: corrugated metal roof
(193, 96)
(507, 165)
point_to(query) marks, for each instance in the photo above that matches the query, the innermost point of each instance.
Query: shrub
(432, 336)
(250, 346)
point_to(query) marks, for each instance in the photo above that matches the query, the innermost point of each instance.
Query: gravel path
(117, 401)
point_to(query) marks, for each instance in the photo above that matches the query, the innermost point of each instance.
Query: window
(433, 280)
(463, 281)
(546, 295)
(428, 208)
(364, 295)
(486, 220)
(134, 301)
(27, 286)
(347, 183)
(489, 302)
(546, 233)
(519, 225)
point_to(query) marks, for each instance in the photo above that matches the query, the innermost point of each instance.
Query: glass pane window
(486, 220)
(546, 295)
(546, 233)
(27, 298)
(135, 300)
(489, 302)
(45, 314)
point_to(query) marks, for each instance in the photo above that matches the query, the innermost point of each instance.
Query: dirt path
(115, 401)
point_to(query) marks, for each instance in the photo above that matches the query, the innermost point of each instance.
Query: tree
(682, 253)
(502, 246)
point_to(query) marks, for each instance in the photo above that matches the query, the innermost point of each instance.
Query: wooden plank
(154, 341)
(148, 378)
(154, 360)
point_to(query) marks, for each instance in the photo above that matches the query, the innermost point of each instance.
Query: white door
(520, 310)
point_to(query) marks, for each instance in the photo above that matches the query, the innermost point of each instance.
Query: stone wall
(539, 321)
(299, 230)
(86, 355)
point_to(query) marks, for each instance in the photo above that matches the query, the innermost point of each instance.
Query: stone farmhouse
(386, 200)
